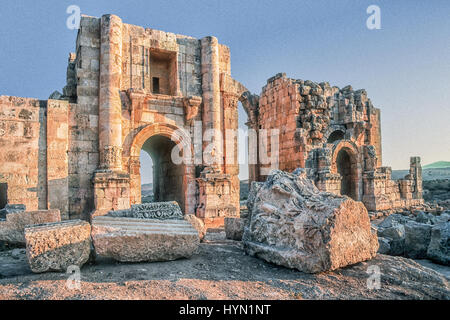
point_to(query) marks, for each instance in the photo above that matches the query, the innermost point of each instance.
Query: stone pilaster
(111, 185)
(110, 108)
(211, 101)
(415, 172)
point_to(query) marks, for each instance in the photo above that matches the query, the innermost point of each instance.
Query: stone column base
(215, 199)
(111, 192)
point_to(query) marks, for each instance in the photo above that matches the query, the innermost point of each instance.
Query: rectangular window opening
(155, 85)
(3, 195)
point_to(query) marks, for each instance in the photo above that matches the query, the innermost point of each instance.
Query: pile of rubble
(416, 235)
(433, 208)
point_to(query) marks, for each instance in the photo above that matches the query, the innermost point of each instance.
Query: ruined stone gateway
(131, 89)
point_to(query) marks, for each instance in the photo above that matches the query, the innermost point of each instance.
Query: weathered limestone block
(56, 246)
(439, 247)
(147, 232)
(12, 229)
(197, 223)
(417, 239)
(291, 223)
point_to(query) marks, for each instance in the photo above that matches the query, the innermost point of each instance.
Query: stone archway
(344, 168)
(171, 181)
(345, 163)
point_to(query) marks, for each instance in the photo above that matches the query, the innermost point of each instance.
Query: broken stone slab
(293, 224)
(234, 228)
(56, 246)
(12, 230)
(439, 247)
(148, 232)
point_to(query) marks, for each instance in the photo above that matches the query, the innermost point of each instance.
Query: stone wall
(34, 163)
(335, 134)
(83, 126)
(23, 142)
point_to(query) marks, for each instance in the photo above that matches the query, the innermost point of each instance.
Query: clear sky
(405, 66)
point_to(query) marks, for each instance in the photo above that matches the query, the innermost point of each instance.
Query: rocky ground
(221, 270)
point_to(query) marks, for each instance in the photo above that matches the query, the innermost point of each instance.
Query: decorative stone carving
(157, 210)
(191, 107)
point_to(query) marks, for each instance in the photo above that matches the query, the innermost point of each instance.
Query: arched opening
(346, 170)
(243, 152)
(146, 162)
(166, 177)
(336, 136)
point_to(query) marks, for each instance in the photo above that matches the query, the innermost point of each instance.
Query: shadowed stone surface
(417, 239)
(12, 229)
(128, 236)
(439, 248)
(56, 246)
(234, 228)
(292, 223)
(12, 208)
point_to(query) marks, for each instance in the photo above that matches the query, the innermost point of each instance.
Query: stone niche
(163, 72)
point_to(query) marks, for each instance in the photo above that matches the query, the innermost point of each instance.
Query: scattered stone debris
(56, 246)
(147, 232)
(292, 223)
(416, 234)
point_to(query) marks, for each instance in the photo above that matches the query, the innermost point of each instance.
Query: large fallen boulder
(56, 246)
(147, 232)
(417, 239)
(293, 224)
(12, 230)
(395, 234)
(439, 247)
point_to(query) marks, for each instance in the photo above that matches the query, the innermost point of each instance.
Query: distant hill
(147, 193)
(437, 165)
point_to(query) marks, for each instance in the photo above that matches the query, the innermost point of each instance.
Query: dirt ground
(221, 270)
